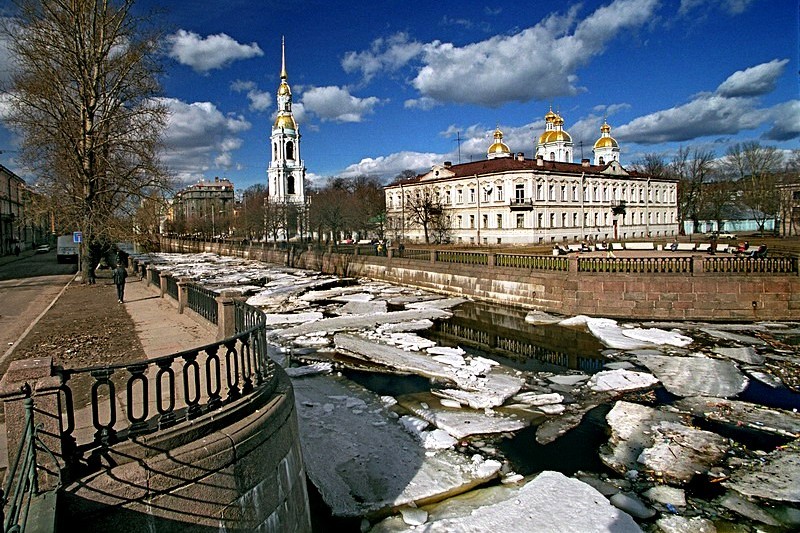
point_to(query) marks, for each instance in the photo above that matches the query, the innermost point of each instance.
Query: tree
(82, 97)
(424, 208)
(756, 168)
(693, 169)
(250, 223)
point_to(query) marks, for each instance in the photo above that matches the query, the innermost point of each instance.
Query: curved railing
(137, 398)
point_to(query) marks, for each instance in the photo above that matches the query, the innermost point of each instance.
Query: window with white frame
(520, 220)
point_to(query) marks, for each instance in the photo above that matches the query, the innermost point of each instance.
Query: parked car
(43, 249)
(723, 235)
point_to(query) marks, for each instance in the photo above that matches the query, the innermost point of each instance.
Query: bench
(683, 247)
(638, 246)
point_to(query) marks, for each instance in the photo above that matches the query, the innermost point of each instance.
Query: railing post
(572, 263)
(34, 378)
(697, 265)
(162, 282)
(433, 256)
(226, 314)
(389, 252)
(491, 259)
(183, 294)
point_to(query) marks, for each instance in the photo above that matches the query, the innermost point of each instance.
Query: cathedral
(508, 199)
(286, 172)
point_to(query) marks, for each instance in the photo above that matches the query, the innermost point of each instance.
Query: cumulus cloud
(786, 121)
(754, 81)
(734, 7)
(337, 104)
(199, 136)
(259, 100)
(732, 108)
(539, 62)
(212, 52)
(387, 167)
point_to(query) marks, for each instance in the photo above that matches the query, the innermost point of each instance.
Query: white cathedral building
(286, 172)
(507, 199)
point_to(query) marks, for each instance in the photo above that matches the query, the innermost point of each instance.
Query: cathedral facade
(508, 199)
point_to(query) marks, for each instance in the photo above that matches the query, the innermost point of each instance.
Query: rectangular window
(499, 221)
(539, 192)
(459, 221)
(520, 221)
(539, 220)
(563, 193)
(459, 196)
(552, 220)
(501, 195)
(472, 196)
(551, 193)
(472, 221)
(485, 221)
(519, 194)
(447, 198)
(575, 196)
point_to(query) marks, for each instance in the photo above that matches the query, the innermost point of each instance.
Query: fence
(202, 301)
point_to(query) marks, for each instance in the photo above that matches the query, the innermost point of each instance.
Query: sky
(380, 87)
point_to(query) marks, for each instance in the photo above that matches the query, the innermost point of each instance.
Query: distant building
(205, 207)
(11, 210)
(507, 199)
(790, 209)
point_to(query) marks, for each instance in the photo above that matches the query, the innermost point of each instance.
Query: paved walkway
(160, 328)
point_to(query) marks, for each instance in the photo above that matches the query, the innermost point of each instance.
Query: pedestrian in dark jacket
(119, 276)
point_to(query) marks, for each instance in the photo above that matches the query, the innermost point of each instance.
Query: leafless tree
(82, 97)
(757, 170)
(694, 169)
(424, 207)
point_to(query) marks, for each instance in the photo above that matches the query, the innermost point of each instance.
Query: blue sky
(384, 86)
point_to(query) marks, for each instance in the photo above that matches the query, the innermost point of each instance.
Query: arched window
(290, 184)
(552, 156)
(290, 150)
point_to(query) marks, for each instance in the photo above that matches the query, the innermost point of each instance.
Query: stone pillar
(433, 256)
(491, 259)
(389, 252)
(226, 315)
(34, 379)
(697, 265)
(162, 282)
(183, 298)
(572, 262)
(150, 268)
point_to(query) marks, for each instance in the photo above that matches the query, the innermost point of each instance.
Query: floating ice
(621, 379)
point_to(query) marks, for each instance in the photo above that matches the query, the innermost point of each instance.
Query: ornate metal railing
(202, 301)
(154, 276)
(131, 399)
(636, 265)
(415, 254)
(750, 265)
(533, 262)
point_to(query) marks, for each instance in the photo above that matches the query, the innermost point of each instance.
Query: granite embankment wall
(693, 294)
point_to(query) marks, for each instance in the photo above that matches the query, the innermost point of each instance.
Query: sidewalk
(160, 328)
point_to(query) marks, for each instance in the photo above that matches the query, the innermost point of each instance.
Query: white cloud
(786, 121)
(389, 54)
(259, 100)
(212, 52)
(387, 167)
(539, 62)
(337, 104)
(424, 103)
(753, 81)
(731, 109)
(199, 137)
(734, 7)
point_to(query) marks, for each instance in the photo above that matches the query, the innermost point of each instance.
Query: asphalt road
(28, 285)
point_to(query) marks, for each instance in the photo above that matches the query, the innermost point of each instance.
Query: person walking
(119, 276)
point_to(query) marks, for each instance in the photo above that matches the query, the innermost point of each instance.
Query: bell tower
(286, 173)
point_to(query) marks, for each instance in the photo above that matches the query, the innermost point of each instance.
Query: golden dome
(286, 122)
(499, 147)
(550, 116)
(606, 142)
(555, 136)
(284, 90)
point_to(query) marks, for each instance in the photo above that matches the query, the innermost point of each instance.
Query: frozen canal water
(427, 413)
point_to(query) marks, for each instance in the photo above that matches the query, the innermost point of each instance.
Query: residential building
(508, 199)
(205, 207)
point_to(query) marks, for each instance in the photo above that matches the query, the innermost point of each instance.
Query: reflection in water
(503, 334)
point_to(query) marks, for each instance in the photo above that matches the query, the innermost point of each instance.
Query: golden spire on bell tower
(284, 76)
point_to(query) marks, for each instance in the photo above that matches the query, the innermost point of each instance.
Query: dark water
(502, 334)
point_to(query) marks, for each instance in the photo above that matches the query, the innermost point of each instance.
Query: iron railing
(131, 399)
(636, 265)
(751, 265)
(202, 301)
(462, 258)
(21, 485)
(154, 277)
(533, 262)
(172, 287)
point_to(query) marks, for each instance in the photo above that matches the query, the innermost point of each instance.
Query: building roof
(516, 164)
